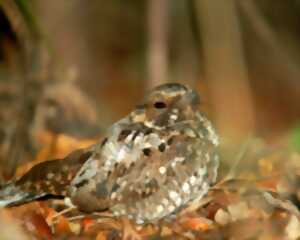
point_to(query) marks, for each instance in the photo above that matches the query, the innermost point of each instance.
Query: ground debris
(259, 203)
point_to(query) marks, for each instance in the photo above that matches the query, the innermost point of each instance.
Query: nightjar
(151, 164)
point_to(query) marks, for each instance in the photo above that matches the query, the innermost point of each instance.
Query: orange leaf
(87, 223)
(196, 223)
(36, 224)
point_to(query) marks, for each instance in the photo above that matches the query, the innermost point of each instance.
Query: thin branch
(225, 68)
(158, 42)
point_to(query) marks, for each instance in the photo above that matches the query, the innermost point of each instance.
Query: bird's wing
(49, 178)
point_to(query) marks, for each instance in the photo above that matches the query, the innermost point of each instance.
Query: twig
(232, 171)
(225, 68)
(158, 42)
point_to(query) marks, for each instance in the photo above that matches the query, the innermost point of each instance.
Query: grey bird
(151, 164)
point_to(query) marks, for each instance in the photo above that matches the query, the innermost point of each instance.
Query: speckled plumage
(153, 162)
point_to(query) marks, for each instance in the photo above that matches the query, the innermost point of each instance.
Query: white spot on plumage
(50, 175)
(138, 139)
(110, 148)
(173, 195)
(116, 213)
(177, 160)
(154, 139)
(139, 221)
(171, 208)
(173, 117)
(189, 132)
(145, 144)
(178, 201)
(122, 212)
(175, 110)
(202, 171)
(88, 171)
(123, 184)
(186, 188)
(149, 124)
(121, 154)
(129, 137)
(159, 208)
(165, 202)
(193, 180)
(211, 132)
(162, 170)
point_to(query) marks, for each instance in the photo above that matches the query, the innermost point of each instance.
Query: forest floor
(259, 201)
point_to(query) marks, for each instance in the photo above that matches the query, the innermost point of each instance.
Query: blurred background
(69, 69)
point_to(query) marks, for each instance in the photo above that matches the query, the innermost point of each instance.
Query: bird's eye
(160, 105)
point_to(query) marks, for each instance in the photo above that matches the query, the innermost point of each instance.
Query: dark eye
(160, 105)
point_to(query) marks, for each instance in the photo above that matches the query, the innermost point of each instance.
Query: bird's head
(167, 104)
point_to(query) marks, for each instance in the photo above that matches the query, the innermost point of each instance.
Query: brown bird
(151, 164)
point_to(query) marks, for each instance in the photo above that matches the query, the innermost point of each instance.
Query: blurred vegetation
(243, 57)
(295, 138)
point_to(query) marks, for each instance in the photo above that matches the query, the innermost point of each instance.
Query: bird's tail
(48, 179)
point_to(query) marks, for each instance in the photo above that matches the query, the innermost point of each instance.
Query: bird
(151, 164)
